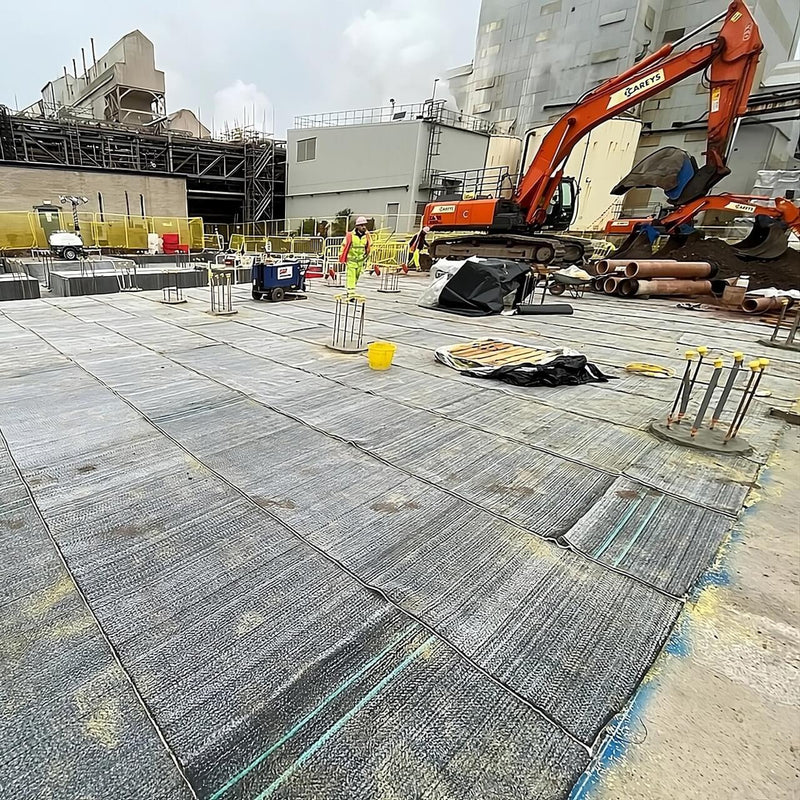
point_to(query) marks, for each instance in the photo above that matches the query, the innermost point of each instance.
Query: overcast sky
(296, 57)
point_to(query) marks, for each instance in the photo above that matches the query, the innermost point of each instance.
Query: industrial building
(103, 132)
(383, 162)
(534, 59)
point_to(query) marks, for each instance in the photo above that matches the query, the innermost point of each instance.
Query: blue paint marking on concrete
(615, 747)
(679, 645)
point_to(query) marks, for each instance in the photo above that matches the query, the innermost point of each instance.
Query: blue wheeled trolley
(275, 281)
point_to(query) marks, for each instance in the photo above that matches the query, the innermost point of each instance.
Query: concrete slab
(72, 284)
(326, 580)
(18, 287)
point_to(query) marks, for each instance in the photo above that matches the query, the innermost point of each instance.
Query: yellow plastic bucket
(380, 354)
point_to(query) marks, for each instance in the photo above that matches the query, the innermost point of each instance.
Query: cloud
(391, 49)
(395, 50)
(242, 104)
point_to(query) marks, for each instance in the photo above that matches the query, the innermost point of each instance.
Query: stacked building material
(658, 278)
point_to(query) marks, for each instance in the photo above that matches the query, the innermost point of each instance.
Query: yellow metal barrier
(16, 230)
(308, 245)
(21, 230)
(280, 244)
(389, 254)
(196, 238)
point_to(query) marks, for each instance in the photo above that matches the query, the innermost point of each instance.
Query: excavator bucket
(767, 240)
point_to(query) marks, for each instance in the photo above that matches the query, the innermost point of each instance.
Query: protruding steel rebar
(763, 363)
(687, 392)
(738, 358)
(690, 354)
(712, 385)
(793, 329)
(747, 396)
(703, 351)
(784, 306)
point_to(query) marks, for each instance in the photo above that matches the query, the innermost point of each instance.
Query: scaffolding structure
(251, 171)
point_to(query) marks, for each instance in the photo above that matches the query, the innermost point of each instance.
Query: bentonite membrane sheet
(239, 565)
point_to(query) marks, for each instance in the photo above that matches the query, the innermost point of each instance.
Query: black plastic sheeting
(561, 371)
(479, 287)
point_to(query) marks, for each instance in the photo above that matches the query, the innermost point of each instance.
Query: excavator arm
(783, 210)
(773, 219)
(731, 60)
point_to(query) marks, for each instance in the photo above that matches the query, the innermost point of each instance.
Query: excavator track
(536, 248)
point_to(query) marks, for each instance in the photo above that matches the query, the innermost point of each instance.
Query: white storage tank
(503, 152)
(598, 162)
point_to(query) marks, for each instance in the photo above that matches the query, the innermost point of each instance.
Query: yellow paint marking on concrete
(42, 601)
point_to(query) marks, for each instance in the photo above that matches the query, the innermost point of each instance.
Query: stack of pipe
(659, 278)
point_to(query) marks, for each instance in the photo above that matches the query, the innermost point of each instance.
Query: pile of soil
(782, 273)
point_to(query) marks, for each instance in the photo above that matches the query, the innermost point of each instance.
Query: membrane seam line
(114, 654)
(341, 566)
(363, 670)
(409, 310)
(538, 448)
(289, 335)
(335, 381)
(370, 454)
(266, 312)
(344, 719)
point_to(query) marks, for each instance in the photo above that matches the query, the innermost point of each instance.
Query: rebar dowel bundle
(347, 334)
(220, 282)
(171, 291)
(789, 343)
(710, 437)
(390, 283)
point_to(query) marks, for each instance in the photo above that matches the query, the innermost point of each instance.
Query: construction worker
(355, 253)
(418, 246)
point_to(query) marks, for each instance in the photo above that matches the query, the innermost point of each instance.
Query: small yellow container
(380, 354)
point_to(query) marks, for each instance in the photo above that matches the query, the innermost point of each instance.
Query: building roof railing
(430, 111)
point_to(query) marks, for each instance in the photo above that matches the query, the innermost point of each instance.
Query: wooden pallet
(495, 353)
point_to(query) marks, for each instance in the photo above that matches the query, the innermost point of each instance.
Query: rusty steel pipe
(669, 269)
(611, 284)
(597, 283)
(609, 265)
(665, 287)
(628, 287)
(758, 305)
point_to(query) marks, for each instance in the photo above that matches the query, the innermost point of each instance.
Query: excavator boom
(730, 59)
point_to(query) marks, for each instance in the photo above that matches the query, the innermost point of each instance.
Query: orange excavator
(545, 200)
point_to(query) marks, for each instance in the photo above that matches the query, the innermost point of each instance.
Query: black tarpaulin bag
(478, 288)
(561, 371)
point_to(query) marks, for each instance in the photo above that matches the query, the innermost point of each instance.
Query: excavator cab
(564, 206)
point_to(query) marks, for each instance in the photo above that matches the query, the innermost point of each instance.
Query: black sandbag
(478, 288)
(561, 371)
